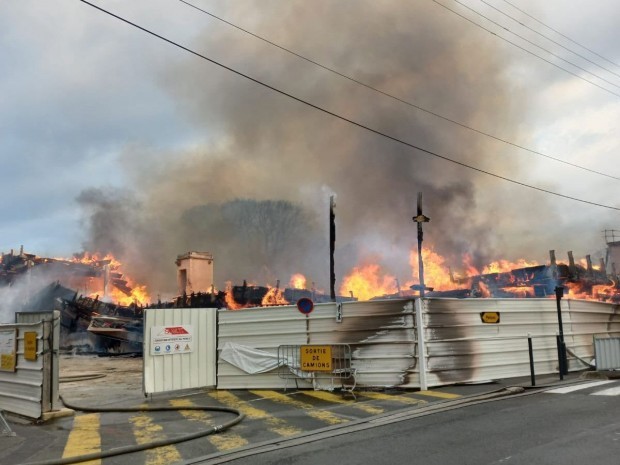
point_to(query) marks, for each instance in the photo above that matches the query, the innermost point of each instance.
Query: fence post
(531, 351)
(558, 342)
(421, 345)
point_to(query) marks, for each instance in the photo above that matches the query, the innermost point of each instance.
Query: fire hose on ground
(151, 445)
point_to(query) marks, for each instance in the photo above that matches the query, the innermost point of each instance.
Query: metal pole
(531, 351)
(560, 367)
(332, 246)
(421, 346)
(420, 218)
(559, 292)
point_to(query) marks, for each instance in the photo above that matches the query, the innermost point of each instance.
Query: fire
(504, 266)
(436, 272)
(520, 291)
(88, 258)
(366, 282)
(229, 298)
(130, 293)
(139, 295)
(298, 281)
(274, 297)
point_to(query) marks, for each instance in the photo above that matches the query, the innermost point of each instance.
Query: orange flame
(436, 272)
(137, 294)
(298, 281)
(231, 304)
(274, 297)
(366, 282)
(504, 266)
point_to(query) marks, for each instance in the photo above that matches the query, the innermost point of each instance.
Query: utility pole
(420, 218)
(332, 246)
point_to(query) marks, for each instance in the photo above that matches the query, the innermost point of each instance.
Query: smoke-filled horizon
(265, 156)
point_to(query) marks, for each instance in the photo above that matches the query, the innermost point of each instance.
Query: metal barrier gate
(319, 364)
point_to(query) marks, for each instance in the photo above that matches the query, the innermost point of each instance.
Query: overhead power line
(352, 122)
(537, 46)
(560, 34)
(418, 107)
(526, 50)
(583, 57)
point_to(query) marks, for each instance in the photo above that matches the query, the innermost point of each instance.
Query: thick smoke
(272, 157)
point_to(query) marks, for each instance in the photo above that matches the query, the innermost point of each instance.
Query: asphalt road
(563, 428)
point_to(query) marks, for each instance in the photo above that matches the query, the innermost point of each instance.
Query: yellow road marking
(323, 415)
(145, 431)
(394, 398)
(84, 437)
(277, 425)
(223, 441)
(443, 395)
(329, 397)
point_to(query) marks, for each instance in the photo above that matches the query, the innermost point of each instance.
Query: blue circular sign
(305, 305)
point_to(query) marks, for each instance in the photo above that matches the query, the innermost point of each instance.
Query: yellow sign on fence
(30, 346)
(316, 358)
(490, 317)
(8, 350)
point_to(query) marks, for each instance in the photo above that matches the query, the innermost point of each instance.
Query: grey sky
(88, 102)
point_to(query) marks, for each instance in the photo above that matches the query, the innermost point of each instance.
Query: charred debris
(92, 324)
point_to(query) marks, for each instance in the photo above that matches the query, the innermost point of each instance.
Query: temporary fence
(395, 343)
(179, 349)
(326, 366)
(607, 353)
(380, 334)
(29, 364)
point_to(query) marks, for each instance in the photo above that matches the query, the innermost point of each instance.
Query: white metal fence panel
(607, 353)
(263, 329)
(381, 335)
(32, 388)
(462, 348)
(179, 360)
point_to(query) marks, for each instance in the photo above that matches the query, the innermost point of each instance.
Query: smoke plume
(268, 157)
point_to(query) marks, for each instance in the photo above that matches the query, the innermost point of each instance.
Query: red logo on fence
(176, 330)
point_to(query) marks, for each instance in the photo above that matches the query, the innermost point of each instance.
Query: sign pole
(332, 246)
(420, 218)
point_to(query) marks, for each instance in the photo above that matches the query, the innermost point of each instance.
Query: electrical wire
(535, 44)
(560, 34)
(352, 122)
(549, 38)
(505, 141)
(525, 49)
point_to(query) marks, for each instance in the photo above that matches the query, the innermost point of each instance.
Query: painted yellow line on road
(322, 415)
(393, 398)
(276, 425)
(145, 430)
(330, 397)
(223, 441)
(84, 437)
(443, 395)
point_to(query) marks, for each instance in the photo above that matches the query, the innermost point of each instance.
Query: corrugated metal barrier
(454, 341)
(381, 335)
(179, 349)
(607, 353)
(29, 364)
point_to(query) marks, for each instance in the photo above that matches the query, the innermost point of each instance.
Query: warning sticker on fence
(167, 340)
(316, 358)
(8, 353)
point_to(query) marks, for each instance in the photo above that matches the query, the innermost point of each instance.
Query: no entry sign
(305, 305)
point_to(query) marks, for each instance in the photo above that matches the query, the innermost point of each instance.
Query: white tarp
(254, 361)
(248, 359)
